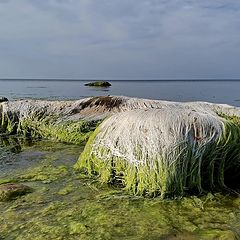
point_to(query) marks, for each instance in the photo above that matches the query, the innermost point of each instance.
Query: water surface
(212, 91)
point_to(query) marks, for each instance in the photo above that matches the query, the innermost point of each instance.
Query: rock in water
(168, 151)
(98, 84)
(3, 99)
(11, 191)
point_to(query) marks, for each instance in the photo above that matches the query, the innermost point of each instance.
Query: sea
(215, 91)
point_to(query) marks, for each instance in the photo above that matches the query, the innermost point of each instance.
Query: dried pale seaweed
(168, 151)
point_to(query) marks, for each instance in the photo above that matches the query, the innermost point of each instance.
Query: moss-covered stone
(98, 84)
(10, 191)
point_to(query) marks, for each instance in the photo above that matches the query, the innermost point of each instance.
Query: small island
(98, 84)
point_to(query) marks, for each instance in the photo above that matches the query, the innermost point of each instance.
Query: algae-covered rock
(61, 120)
(3, 99)
(167, 152)
(11, 191)
(98, 84)
(184, 142)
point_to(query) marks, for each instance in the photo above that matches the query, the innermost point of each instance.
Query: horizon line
(100, 79)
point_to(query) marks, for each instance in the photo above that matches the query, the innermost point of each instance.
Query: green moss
(76, 132)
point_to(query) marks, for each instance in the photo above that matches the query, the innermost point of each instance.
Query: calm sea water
(226, 91)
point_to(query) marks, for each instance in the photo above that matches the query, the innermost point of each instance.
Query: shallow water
(211, 91)
(68, 205)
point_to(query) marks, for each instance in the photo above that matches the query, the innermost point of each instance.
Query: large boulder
(170, 151)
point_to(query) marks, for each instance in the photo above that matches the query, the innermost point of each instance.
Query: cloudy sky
(120, 39)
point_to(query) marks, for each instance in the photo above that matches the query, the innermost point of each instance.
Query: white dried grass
(164, 148)
(156, 132)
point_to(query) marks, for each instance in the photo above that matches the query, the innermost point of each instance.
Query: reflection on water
(10, 147)
(68, 205)
(14, 143)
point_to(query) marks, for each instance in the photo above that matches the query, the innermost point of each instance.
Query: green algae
(47, 126)
(45, 173)
(75, 206)
(3, 181)
(76, 132)
(66, 190)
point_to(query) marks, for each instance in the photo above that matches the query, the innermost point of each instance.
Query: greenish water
(67, 205)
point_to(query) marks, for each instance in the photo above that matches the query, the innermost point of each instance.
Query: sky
(120, 39)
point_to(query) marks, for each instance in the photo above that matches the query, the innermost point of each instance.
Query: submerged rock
(3, 99)
(11, 191)
(98, 84)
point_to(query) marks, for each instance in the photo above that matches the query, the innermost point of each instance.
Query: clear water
(212, 91)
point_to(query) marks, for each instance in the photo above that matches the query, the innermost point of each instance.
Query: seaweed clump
(43, 124)
(167, 152)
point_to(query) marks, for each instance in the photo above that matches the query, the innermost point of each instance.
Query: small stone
(12, 191)
(3, 99)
